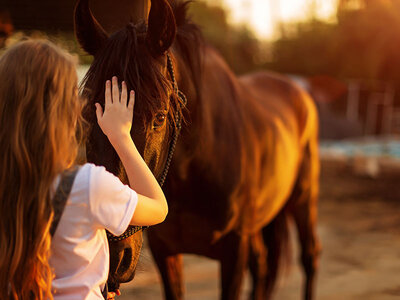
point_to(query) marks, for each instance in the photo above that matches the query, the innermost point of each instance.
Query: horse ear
(161, 27)
(89, 33)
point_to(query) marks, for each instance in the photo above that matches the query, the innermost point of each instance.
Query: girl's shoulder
(111, 202)
(90, 182)
(97, 176)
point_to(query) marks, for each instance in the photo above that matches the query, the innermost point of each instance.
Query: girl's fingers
(115, 90)
(124, 94)
(99, 111)
(108, 97)
(110, 296)
(131, 100)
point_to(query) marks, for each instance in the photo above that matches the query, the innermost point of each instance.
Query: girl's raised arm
(116, 123)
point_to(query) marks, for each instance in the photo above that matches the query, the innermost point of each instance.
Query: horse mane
(189, 42)
(126, 56)
(216, 113)
(134, 64)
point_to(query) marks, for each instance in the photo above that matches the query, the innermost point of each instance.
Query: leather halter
(178, 121)
(175, 135)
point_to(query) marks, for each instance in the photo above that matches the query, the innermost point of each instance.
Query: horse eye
(159, 120)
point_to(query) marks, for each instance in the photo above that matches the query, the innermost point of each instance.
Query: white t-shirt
(79, 248)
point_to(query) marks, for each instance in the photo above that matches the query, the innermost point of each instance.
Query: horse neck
(214, 138)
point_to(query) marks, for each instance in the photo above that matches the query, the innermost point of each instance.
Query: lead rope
(177, 130)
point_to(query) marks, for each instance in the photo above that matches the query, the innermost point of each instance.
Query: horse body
(235, 169)
(256, 168)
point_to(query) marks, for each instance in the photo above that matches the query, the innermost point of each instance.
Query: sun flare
(264, 15)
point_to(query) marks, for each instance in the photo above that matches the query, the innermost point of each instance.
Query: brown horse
(247, 157)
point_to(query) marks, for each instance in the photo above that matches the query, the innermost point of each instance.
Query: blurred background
(346, 54)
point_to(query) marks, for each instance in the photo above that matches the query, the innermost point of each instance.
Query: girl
(40, 113)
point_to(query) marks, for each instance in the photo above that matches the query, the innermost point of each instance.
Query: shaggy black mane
(127, 56)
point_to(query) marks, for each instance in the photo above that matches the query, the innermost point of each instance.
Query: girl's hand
(116, 121)
(111, 295)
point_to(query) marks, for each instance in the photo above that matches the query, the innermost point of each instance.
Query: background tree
(238, 44)
(363, 43)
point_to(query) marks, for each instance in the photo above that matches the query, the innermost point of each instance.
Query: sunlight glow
(264, 15)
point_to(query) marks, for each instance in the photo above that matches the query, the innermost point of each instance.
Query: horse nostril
(126, 261)
(127, 268)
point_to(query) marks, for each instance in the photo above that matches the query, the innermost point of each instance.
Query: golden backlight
(263, 16)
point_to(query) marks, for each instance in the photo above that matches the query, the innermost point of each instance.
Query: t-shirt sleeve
(112, 203)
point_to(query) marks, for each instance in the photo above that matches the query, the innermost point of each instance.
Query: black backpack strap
(61, 196)
(105, 292)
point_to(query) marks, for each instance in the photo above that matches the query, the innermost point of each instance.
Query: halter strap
(178, 120)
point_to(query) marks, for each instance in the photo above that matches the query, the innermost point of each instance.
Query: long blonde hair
(39, 114)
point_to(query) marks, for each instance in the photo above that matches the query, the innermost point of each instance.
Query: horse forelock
(126, 56)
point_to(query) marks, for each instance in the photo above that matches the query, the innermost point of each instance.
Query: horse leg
(304, 209)
(170, 268)
(276, 239)
(233, 263)
(258, 267)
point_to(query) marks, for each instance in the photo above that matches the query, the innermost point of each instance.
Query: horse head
(138, 55)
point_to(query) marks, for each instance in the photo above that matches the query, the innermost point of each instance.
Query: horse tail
(276, 238)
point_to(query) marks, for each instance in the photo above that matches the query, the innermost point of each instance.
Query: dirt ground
(359, 225)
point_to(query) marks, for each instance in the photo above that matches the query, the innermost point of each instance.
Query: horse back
(285, 99)
(284, 119)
